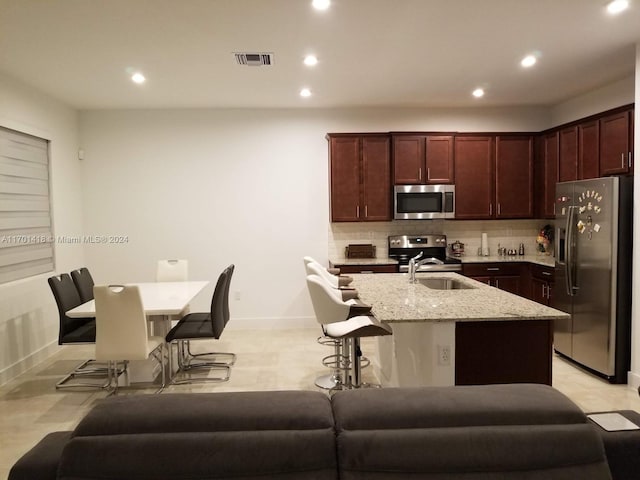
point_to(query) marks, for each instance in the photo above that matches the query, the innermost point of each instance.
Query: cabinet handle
(491, 209)
(420, 173)
(499, 209)
(622, 159)
(544, 294)
(493, 269)
(366, 211)
(366, 271)
(547, 273)
(428, 173)
(358, 211)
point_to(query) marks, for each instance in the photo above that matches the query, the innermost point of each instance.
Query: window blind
(26, 241)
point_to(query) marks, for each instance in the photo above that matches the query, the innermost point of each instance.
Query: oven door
(423, 202)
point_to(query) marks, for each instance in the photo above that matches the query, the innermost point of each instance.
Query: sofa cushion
(504, 432)
(41, 462)
(241, 435)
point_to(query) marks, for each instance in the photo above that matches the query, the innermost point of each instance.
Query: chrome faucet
(415, 263)
(413, 267)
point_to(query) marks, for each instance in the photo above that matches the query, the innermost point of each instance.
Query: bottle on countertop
(521, 249)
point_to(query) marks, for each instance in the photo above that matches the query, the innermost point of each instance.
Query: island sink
(444, 284)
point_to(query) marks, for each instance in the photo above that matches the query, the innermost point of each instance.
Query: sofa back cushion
(242, 435)
(504, 432)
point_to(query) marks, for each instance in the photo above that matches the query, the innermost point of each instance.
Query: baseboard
(276, 323)
(30, 361)
(633, 380)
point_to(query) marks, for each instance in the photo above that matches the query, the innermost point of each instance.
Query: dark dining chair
(84, 283)
(74, 331)
(200, 326)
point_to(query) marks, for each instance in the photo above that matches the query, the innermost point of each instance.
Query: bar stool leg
(356, 371)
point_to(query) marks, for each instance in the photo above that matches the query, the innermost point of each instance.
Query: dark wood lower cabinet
(366, 268)
(518, 351)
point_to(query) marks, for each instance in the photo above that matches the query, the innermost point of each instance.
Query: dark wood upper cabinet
(422, 159)
(615, 143)
(474, 168)
(514, 176)
(439, 159)
(547, 174)
(408, 159)
(376, 175)
(360, 173)
(588, 150)
(568, 161)
(344, 162)
(494, 176)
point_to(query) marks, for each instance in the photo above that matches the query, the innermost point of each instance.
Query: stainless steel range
(433, 248)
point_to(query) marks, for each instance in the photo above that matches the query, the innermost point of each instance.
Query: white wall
(248, 187)
(610, 96)
(634, 376)
(28, 315)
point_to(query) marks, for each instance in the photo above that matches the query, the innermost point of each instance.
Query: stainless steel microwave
(424, 202)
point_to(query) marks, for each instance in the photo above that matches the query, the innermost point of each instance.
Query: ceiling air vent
(254, 59)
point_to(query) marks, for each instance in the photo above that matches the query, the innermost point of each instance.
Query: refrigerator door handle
(568, 251)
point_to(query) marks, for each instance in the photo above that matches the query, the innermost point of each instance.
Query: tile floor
(31, 407)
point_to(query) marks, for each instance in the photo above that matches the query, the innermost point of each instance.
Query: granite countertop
(394, 299)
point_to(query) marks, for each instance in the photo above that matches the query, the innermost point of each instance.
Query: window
(26, 241)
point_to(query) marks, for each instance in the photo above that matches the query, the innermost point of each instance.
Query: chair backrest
(317, 269)
(226, 312)
(84, 283)
(218, 303)
(67, 297)
(172, 271)
(327, 307)
(121, 325)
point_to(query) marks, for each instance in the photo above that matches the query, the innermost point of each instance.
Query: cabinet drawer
(367, 268)
(542, 272)
(490, 269)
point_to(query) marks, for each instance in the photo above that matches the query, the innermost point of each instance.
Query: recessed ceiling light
(138, 78)
(310, 60)
(305, 92)
(528, 61)
(478, 92)
(321, 4)
(617, 6)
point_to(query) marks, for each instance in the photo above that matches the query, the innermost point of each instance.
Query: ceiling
(382, 53)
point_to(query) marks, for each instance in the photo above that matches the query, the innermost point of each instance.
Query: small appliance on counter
(433, 248)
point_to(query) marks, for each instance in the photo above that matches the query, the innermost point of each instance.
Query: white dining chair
(173, 271)
(122, 333)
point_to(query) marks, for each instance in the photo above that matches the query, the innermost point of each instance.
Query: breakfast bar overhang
(451, 330)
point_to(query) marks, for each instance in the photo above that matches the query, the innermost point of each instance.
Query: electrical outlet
(444, 355)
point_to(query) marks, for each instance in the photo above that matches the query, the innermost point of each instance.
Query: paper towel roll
(484, 245)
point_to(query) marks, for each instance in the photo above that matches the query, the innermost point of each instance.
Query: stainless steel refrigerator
(593, 241)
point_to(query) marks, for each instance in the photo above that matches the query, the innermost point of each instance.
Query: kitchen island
(451, 330)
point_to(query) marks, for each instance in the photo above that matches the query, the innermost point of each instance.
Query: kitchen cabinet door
(376, 174)
(615, 145)
(408, 159)
(514, 176)
(508, 283)
(344, 161)
(549, 153)
(360, 171)
(474, 174)
(588, 150)
(568, 161)
(439, 159)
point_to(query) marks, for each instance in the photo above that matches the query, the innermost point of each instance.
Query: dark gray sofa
(490, 432)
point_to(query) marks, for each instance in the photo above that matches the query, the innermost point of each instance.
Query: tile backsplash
(507, 233)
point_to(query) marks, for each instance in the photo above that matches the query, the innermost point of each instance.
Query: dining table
(162, 302)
